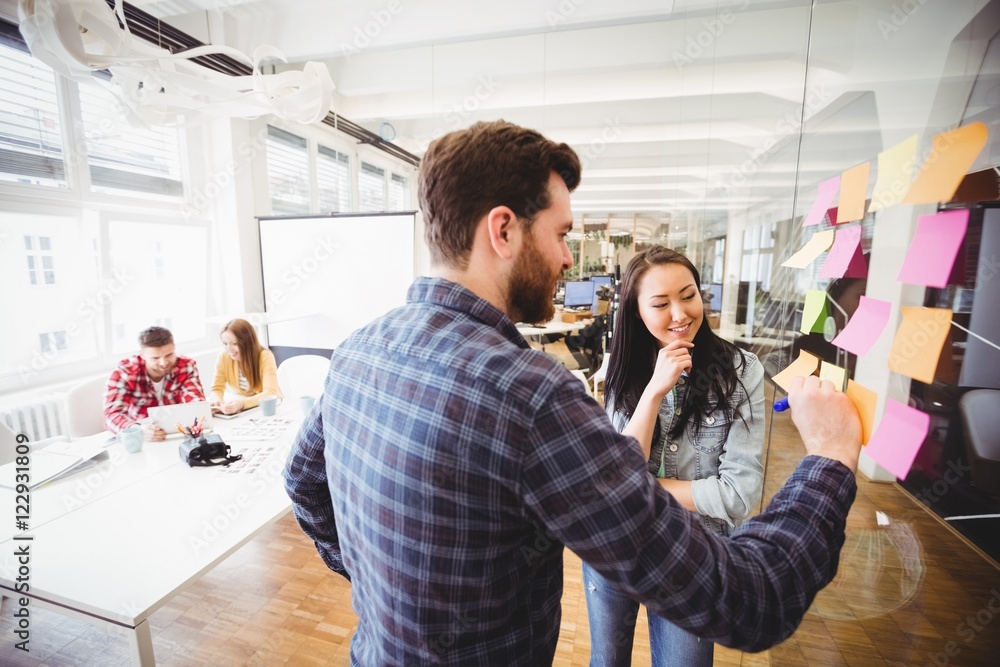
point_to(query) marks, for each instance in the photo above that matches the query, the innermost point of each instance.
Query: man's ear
(502, 227)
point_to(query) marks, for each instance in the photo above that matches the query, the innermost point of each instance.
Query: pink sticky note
(846, 245)
(824, 197)
(864, 327)
(932, 252)
(898, 438)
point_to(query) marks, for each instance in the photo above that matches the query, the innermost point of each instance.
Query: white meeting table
(114, 542)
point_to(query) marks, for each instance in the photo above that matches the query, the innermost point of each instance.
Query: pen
(781, 404)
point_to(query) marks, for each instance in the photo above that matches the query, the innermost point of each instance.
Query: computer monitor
(600, 280)
(579, 294)
(715, 304)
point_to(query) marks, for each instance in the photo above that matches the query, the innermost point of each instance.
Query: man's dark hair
(155, 337)
(467, 173)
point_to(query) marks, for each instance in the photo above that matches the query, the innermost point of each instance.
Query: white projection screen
(325, 276)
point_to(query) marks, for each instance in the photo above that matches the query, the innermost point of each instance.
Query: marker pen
(781, 404)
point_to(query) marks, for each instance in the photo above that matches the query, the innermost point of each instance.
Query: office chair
(980, 413)
(304, 375)
(583, 378)
(85, 407)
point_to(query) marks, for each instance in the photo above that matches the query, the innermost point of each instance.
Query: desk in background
(114, 542)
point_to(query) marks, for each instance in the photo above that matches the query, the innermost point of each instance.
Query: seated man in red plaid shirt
(155, 376)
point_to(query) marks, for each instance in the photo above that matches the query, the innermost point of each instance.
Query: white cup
(268, 405)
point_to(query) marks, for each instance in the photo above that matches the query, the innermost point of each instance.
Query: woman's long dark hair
(714, 374)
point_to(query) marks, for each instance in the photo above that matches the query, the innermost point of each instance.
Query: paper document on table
(266, 428)
(54, 461)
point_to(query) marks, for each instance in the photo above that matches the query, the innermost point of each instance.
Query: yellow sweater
(227, 371)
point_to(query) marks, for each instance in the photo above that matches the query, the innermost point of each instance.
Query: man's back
(425, 417)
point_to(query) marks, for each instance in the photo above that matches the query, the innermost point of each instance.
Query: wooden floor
(907, 595)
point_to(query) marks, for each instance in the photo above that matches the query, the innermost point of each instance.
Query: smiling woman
(695, 404)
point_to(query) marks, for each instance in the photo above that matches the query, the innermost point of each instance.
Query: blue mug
(131, 438)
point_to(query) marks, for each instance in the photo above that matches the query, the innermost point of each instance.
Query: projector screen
(325, 276)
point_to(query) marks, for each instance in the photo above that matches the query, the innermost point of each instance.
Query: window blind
(371, 187)
(287, 172)
(31, 148)
(399, 194)
(333, 176)
(122, 156)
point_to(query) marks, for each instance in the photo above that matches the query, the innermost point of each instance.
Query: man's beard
(531, 287)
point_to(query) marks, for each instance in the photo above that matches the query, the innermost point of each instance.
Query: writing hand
(826, 419)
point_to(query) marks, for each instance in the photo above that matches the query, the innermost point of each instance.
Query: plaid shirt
(458, 462)
(130, 391)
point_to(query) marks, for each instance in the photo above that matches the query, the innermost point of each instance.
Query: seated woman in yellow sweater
(246, 367)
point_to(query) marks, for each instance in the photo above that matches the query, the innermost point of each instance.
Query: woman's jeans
(612, 617)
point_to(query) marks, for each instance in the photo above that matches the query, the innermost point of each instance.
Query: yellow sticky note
(864, 400)
(804, 366)
(817, 245)
(917, 345)
(833, 373)
(815, 312)
(853, 189)
(896, 167)
(951, 157)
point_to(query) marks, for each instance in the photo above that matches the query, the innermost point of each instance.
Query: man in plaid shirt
(155, 376)
(448, 463)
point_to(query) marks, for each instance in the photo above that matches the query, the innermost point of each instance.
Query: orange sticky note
(804, 366)
(853, 189)
(917, 345)
(833, 373)
(951, 157)
(864, 400)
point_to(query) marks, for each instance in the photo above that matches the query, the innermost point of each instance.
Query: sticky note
(815, 247)
(824, 197)
(931, 255)
(864, 400)
(804, 366)
(896, 167)
(833, 373)
(864, 327)
(898, 438)
(853, 189)
(917, 345)
(950, 158)
(815, 312)
(845, 253)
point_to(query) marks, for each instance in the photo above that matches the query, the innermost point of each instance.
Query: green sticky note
(815, 312)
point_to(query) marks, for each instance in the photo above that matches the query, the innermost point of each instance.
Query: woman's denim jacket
(727, 473)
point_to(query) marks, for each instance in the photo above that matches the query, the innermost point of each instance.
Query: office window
(287, 172)
(399, 193)
(124, 157)
(172, 293)
(41, 265)
(371, 187)
(30, 135)
(333, 178)
(52, 341)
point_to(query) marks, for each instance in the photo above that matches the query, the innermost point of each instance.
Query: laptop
(168, 417)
